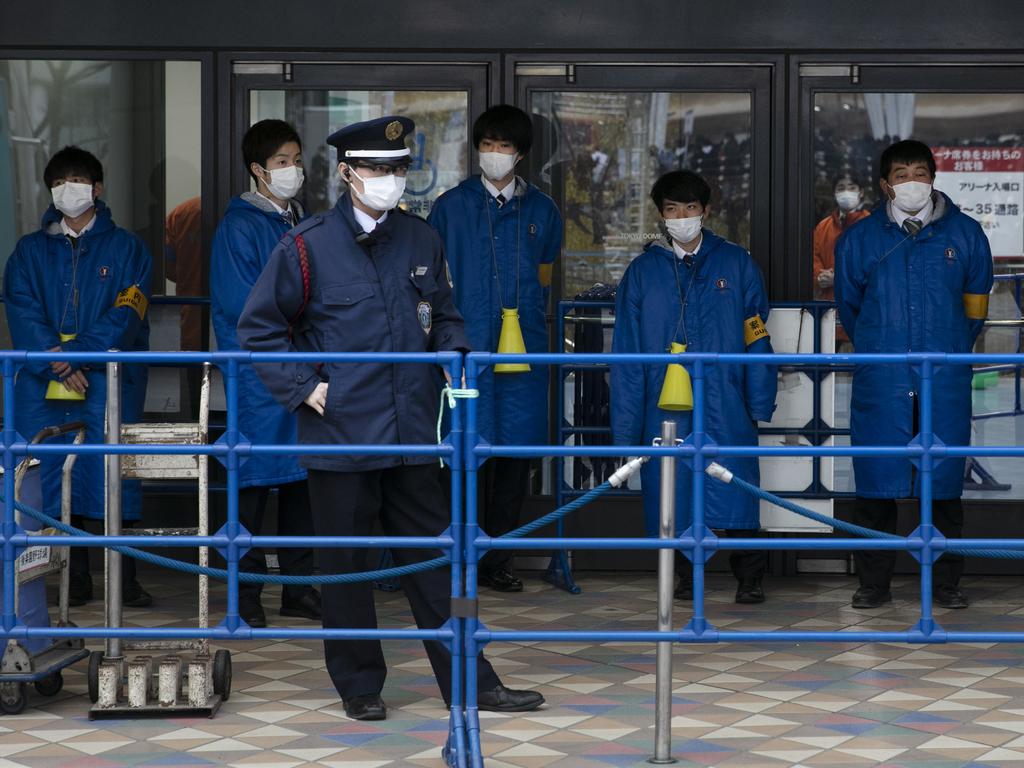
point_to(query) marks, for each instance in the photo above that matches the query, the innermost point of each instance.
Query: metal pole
(666, 575)
(113, 516)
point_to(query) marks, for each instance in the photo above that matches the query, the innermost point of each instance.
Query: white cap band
(377, 153)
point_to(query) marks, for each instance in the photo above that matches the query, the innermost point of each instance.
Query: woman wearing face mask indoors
(693, 291)
(245, 238)
(849, 198)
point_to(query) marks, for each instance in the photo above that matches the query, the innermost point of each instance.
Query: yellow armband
(753, 329)
(134, 298)
(976, 306)
(544, 274)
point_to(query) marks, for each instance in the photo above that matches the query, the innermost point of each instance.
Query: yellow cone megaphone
(57, 391)
(676, 392)
(510, 342)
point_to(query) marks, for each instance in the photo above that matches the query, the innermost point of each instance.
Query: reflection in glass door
(609, 147)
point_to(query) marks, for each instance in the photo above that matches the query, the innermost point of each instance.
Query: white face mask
(72, 199)
(497, 165)
(684, 230)
(381, 193)
(911, 196)
(847, 200)
(285, 183)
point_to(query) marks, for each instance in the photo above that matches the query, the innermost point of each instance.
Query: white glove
(317, 399)
(826, 278)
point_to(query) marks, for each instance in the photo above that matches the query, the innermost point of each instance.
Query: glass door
(972, 117)
(318, 98)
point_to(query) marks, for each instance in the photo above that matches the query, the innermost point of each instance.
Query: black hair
(681, 186)
(262, 141)
(846, 176)
(504, 122)
(72, 161)
(906, 152)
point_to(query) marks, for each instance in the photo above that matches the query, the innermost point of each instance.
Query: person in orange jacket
(849, 196)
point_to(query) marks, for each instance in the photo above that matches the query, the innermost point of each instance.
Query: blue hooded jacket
(245, 238)
(513, 407)
(724, 311)
(901, 293)
(112, 271)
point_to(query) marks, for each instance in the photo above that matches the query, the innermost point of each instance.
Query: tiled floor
(735, 705)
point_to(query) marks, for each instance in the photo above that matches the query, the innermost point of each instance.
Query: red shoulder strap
(300, 243)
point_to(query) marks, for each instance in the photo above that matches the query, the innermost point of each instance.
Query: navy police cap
(380, 139)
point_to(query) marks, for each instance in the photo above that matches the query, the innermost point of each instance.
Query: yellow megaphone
(676, 392)
(510, 342)
(57, 391)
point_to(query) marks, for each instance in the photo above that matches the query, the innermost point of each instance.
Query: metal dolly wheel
(148, 685)
(40, 661)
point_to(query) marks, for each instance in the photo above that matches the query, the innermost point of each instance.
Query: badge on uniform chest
(424, 314)
(721, 284)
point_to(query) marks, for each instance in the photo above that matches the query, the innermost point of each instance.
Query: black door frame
(762, 76)
(866, 73)
(477, 74)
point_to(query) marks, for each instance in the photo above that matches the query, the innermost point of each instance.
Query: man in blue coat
(245, 237)
(501, 237)
(914, 276)
(694, 288)
(367, 277)
(79, 284)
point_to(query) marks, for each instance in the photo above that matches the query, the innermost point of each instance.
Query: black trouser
(501, 489)
(874, 567)
(293, 519)
(78, 561)
(746, 564)
(504, 485)
(408, 501)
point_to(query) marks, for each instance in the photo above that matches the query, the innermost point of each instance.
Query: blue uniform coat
(723, 291)
(390, 294)
(38, 283)
(512, 408)
(907, 294)
(245, 238)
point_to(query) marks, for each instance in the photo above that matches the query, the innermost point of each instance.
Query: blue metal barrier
(465, 542)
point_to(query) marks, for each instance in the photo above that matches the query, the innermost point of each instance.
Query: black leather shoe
(871, 597)
(367, 707)
(501, 580)
(251, 612)
(306, 607)
(502, 699)
(134, 596)
(750, 592)
(948, 596)
(79, 590)
(684, 589)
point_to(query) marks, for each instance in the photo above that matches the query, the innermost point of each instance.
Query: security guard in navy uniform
(367, 277)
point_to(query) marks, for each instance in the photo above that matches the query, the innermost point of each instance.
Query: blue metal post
(927, 442)
(232, 620)
(472, 463)
(9, 618)
(456, 722)
(698, 623)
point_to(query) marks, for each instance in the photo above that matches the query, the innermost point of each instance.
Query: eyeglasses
(384, 170)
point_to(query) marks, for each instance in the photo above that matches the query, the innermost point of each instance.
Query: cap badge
(393, 130)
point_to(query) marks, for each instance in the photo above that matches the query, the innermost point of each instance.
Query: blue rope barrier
(336, 578)
(720, 473)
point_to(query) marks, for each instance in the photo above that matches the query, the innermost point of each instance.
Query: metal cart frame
(20, 666)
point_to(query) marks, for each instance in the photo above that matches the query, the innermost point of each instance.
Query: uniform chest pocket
(350, 321)
(346, 295)
(425, 285)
